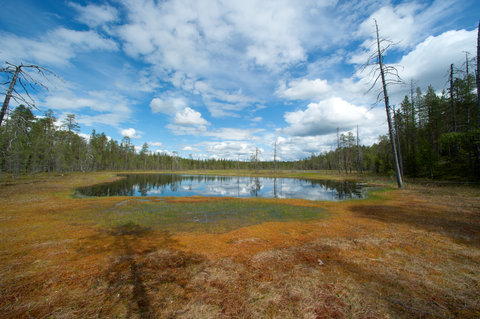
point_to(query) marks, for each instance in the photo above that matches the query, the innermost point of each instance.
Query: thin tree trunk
(387, 109)
(399, 150)
(478, 75)
(9, 93)
(414, 131)
(339, 167)
(452, 101)
(358, 154)
(477, 78)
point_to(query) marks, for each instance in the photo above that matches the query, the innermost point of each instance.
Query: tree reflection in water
(205, 185)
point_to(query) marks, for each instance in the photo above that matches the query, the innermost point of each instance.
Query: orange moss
(411, 253)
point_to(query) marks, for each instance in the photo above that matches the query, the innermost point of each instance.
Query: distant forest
(438, 135)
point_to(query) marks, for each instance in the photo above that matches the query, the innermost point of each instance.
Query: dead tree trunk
(19, 75)
(387, 108)
(477, 76)
(9, 93)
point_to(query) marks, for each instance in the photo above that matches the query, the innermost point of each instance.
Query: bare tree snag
(478, 75)
(9, 93)
(24, 79)
(383, 70)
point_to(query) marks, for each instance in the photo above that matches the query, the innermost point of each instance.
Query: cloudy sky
(217, 78)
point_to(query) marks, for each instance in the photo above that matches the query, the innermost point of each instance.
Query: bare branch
(18, 74)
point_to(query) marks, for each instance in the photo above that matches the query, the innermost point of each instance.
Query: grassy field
(401, 253)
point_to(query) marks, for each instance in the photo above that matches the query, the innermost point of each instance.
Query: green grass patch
(217, 216)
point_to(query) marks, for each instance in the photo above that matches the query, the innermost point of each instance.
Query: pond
(227, 186)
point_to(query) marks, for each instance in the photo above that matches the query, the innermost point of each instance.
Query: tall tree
(380, 73)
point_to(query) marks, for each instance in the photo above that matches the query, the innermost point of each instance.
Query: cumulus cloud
(430, 60)
(130, 132)
(168, 105)
(212, 48)
(325, 117)
(190, 117)
(303, 89)
(396, 23)
(187, 34)
(230, 149)
(407, 23)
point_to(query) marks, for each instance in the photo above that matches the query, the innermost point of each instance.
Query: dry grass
(410, 253)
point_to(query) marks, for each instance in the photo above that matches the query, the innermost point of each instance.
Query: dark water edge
(226, 186)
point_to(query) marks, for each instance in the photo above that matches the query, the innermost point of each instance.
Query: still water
(227, 186)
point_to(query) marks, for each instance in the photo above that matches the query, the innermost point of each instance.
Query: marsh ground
(408, 253)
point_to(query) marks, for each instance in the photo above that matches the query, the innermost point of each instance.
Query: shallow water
(226, 186)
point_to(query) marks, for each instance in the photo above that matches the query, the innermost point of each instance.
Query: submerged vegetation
(409, 253)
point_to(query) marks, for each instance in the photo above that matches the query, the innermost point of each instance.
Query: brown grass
(410, 253)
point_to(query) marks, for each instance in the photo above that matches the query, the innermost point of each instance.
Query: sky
(219, 78)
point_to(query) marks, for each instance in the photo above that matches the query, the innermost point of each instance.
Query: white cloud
(130, 132)
(430, 61)
(157, 144)
(166, 152)
(95, 15)
(325, 117)
(167, 106)
(303, 89)
(190, 149)
(190, 117)
(84, 136)
(56, 47)
(221, 103)
(107, 107)
(213, 48)
(234, 133)
(186, 35)
(295, 147)
(230, 149)
(395, 23)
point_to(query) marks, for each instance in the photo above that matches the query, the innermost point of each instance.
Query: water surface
(227, 186)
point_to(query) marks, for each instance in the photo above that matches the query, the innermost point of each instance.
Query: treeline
(30, 145)
(438, 137)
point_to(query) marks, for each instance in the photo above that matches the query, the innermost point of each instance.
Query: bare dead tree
(477, 77)
(16, 74)
(388, 75)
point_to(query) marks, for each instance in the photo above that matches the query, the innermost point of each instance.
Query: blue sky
(213, 78)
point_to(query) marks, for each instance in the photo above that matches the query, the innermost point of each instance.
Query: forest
(438, 137)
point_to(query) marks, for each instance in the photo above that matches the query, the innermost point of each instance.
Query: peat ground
(401, 253)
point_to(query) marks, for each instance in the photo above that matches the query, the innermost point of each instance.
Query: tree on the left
(19, 81)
